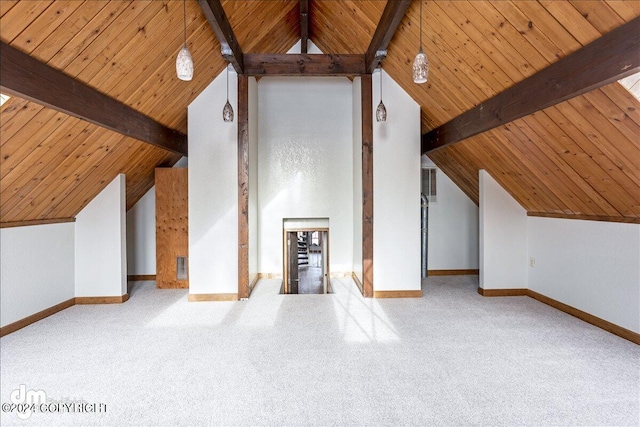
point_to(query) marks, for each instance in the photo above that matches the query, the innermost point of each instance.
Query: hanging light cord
(227, 82)
(380, 84)
(420, 25)
(184, 20)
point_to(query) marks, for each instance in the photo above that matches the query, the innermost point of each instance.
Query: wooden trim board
(35, 222)
(270, 275)
(586, 217)
(503, 292)
(19, 324)
(140, 277)
(589, 318)
(634, 337)
(397, 294)
(212, 297)
(102, 300)
(453, 272)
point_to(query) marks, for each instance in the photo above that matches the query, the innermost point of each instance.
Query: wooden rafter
(261, 64)
(304, 25)
(610, 58)
(219, 22)
(26, 77)
(391, 17)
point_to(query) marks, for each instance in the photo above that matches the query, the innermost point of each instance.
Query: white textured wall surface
(357, 178)
(396, 190)
(590, 265)
(453, 227)
(141, 235)
(305, 163)
(253, 179)
(503, 237)
(36, 269)
(213, 190)
(100, 244)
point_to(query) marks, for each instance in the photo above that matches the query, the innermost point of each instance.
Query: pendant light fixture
(184, 62)
(421, 63)
(227, 111)
(381, 111)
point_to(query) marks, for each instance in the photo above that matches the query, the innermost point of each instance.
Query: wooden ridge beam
(263, 64)
(26, 77)
(389, 21)
(304, 25)
(610, 58)
(214, 12)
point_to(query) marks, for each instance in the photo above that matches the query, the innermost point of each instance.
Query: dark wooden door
(292, 257)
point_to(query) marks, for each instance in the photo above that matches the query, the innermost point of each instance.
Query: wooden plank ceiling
(51, 164)
(579, 159)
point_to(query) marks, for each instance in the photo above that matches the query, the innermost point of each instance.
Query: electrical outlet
(532, 262)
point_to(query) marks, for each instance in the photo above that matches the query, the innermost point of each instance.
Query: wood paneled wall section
(172, 225)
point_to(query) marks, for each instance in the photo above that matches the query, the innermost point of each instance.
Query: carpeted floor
(450, 358)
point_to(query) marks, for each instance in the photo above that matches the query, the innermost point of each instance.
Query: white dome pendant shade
(184, 61)
(420, 68)
(184, 64)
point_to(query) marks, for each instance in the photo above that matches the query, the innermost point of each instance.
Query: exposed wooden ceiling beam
(26, 77)
(391, 17)
(304, 25)
(219, 22)
(610, 58)
(263, 64)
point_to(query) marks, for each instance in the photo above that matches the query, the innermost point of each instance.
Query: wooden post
(367, 185)
(243, 186)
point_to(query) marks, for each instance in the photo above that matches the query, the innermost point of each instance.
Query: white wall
(305, 167)
(503, 237)
(141, 235)
(396, 190)
(357, 177)
(590, 265)
(253, 179)
(100, 244)
(453, 226)
(36, 269)
(213, 190)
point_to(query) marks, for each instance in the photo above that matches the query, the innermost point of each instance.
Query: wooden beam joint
(391, 17)
(229, 47)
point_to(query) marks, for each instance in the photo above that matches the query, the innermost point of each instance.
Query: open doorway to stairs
(306, 261)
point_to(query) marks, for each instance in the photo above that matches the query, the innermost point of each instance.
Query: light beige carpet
(450, 358)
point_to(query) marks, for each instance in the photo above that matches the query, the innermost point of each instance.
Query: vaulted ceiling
(578, 159)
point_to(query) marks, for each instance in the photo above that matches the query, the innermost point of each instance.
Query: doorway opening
(306, 261)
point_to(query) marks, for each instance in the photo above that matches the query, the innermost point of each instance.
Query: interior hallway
(310, 276)
(449, 358)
